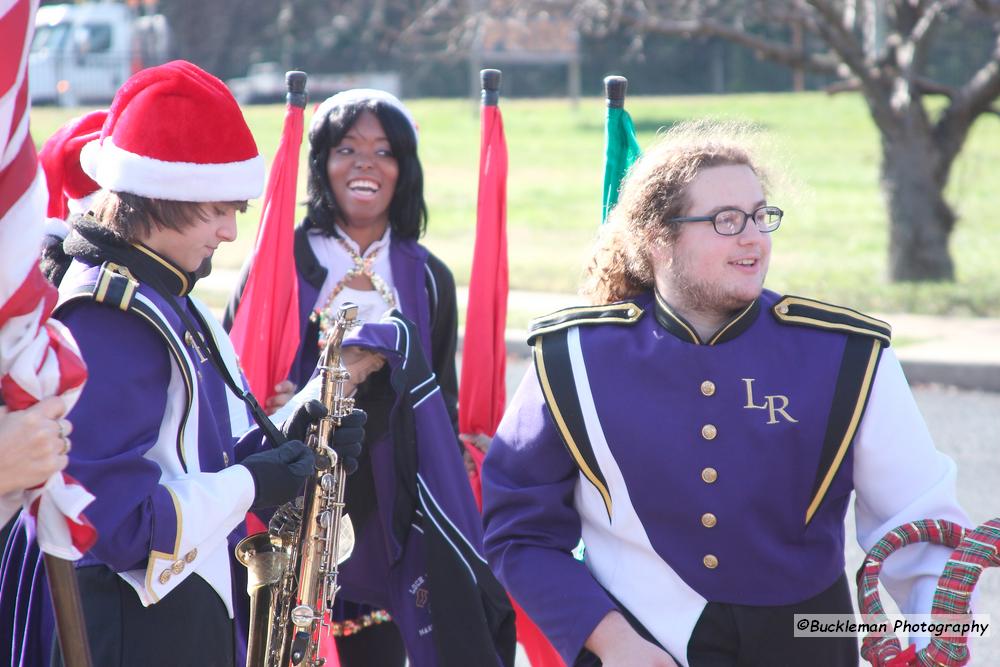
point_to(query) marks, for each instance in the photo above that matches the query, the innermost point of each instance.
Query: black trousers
(190, 626)
(733, 635)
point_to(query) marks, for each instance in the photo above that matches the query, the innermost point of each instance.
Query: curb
(963, 375)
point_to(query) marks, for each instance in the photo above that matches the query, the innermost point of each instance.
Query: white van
(82, 53)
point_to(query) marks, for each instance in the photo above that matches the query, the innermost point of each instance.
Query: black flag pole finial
(614, 90)
(491, 86)
(296, 82)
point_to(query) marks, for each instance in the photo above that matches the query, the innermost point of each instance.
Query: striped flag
(38, 357)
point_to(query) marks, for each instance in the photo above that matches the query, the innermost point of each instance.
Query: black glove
(307, 414)
(278, 473)
(347, 439)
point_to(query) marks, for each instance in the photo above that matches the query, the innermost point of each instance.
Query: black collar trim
(95, 245)
(682, 329)
(174, 278)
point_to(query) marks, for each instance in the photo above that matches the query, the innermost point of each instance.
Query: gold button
(225, 458)
(188, 339)
(708, 431)
(630, 312)
(165, 577)
(783, 309)
(191, 555)
(177, 567)
(707, 388)
(708, 520)
(709, 475)
(710, 561)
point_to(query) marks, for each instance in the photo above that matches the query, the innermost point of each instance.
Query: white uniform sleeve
(900, 477)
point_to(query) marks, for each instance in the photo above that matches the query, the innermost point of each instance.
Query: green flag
(620, 150)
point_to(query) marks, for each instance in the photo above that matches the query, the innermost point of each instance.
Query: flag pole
(70, 624)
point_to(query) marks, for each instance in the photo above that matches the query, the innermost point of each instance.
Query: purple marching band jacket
(426, 292)
(418, 532)
(419, 553)
(157, 455)
(704, 471)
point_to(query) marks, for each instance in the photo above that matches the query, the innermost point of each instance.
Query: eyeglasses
(732, 221)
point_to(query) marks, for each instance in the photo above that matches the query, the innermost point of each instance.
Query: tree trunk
(920, 220)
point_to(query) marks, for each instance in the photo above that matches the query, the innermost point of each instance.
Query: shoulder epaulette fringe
(800, 311)
(625, 312)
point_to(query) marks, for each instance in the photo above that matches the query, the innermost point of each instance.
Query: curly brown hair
(654, 191)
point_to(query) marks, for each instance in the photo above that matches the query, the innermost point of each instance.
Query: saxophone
(292, 568)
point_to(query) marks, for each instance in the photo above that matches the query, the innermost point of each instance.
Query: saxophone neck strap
(206, 343)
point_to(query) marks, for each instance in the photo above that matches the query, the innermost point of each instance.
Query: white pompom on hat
(356, 96)
(175, 132)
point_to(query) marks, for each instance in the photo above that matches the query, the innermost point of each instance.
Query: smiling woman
(358, 244)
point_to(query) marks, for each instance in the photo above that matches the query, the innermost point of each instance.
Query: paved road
(965, 425)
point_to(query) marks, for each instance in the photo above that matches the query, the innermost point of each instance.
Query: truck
(82, 53)
(265, 83)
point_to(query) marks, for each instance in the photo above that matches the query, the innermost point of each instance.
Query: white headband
(354, 96)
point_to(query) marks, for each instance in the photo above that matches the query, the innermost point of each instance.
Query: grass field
(832, 244)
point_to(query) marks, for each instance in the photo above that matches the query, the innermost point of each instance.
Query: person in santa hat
(71, 191)
(162, 430)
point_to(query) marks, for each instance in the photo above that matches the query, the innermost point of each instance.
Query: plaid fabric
(977, 551)
(883, 650)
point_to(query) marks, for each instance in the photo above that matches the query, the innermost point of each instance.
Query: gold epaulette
(115, 286)
(625, 312)
(800, 311)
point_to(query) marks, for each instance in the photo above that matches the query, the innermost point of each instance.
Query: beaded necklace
(362, 267)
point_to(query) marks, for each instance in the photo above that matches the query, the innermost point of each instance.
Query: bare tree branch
(783, 54)
(972, 99)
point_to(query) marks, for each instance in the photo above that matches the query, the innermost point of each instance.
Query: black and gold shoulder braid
(797, 310)
(624, 312)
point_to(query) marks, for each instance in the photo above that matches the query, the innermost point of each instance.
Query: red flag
(482, 391)
(265, 329)
(38, 356)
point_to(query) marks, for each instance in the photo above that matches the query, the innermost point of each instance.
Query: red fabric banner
(482, 390)
(265, 329)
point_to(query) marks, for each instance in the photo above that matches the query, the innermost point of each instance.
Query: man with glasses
(702, 436)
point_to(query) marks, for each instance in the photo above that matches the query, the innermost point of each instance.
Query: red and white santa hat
(175, 132)
(70, 189)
